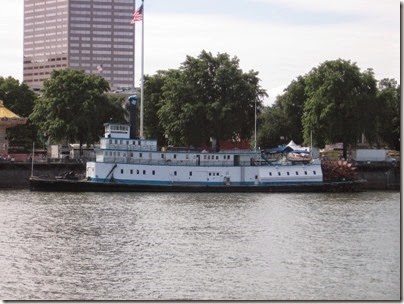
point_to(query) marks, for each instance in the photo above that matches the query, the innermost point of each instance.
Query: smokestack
(131, 107)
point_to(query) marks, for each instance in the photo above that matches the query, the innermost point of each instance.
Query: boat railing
(125, 147)
(201, 163)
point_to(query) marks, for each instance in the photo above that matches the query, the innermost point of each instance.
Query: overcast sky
(281, 39)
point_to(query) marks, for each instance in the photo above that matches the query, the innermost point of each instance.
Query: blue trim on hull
(202, 184)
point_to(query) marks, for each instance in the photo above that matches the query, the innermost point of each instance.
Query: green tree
(336, 110)
(153, 94)
(19, 99)
(209, 97)
(387, 118)
(74, 106)
(282, 122)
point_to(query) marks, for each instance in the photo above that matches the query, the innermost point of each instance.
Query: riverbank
(16, 175)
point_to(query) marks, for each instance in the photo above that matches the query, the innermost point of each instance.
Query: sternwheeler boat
(127, 164)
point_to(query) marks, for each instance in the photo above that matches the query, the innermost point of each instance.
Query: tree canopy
(334, 102)
(282, 122)
(387, 118)
(207, 97)
(338, 98)
(74, 106)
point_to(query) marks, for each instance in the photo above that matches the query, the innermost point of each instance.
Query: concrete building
(91, 35)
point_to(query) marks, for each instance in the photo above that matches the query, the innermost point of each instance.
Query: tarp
(284, 149)
(301, 151)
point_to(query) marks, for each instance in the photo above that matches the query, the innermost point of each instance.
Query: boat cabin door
(237, 160)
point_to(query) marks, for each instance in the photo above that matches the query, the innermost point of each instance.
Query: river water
(142, 246)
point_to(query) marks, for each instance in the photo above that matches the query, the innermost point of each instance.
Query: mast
(32, 159)
(142, 78)
(255, 125)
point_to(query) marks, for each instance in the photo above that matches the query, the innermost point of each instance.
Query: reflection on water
(144, 246)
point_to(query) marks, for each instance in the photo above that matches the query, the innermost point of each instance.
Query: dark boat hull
(66, 185)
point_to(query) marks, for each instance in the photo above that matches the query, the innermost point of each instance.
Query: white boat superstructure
(122, 159)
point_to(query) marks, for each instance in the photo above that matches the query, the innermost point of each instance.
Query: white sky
(281, 39)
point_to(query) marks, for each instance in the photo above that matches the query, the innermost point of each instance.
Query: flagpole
(134, 48)
(142, 79)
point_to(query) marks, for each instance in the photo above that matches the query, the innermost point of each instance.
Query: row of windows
(297, 173)
(217, 157)
(131, 171)
(101, 59)
(144, 172)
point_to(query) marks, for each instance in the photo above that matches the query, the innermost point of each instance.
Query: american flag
(137, 15)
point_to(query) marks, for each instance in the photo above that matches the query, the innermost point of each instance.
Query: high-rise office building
(91, 35)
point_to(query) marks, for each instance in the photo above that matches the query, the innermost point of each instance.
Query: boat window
(210, 174)
(279, 173)
(287, 173)
(131, 171)
(228, 156)
(217, 174)
(140, 155)
(175, 156)
(175, 173)
(297, 173)
(121, 171)
(137, 171)
(305, 172)
(139, 143)
(190, 173)
(144, 172)
(314, 172)
(154, 172)
(162, 155)
(217, 157)
(270, 173)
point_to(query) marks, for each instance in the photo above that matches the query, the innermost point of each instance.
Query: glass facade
(91, 35)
